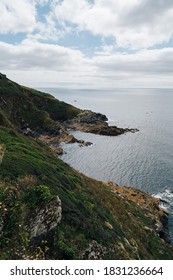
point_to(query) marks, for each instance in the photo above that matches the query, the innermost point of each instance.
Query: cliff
(50, 211)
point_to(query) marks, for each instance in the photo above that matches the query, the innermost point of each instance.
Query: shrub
(27, 181)
(38, 195)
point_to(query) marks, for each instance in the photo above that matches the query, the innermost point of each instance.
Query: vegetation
(31, 176)
(23, 107)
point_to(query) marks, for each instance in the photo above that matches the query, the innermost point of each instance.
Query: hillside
(50, 211)
(22, 107)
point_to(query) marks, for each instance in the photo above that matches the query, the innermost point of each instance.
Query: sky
(88, 44)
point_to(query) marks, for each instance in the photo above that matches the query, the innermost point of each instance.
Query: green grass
(22, 106)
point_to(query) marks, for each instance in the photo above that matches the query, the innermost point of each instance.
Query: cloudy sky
(87, 43)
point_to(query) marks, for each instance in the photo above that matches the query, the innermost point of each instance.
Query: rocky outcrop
(96, 123)
(94, 251)
(162, 225)
(151, 206)
(86, 121)
(89, 117)
(46, 218)
(101, 129)
(54, 141)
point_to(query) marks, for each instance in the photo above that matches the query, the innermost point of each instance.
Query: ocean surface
(143, 159)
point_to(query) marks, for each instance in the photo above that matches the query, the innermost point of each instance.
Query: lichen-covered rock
(46, 218)
(94, 251)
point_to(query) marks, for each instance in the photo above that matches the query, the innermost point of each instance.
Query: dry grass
(2, 152)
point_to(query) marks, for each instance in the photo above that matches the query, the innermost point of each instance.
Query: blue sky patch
(42, 12)
(84, 41)
(13, 38)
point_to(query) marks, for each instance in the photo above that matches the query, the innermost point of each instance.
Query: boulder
(46, 218)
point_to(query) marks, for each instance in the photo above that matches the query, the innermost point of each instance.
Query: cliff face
(48, 210)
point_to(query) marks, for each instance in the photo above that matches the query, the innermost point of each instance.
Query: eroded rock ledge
(96, 123)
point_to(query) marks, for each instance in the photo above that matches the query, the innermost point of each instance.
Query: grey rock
(46, 218)
(94, 251)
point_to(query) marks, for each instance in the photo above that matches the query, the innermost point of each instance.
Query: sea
(144, 159)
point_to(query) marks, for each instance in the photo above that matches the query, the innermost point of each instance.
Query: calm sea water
(144, 159)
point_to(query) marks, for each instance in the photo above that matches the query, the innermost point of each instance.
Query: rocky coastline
(150, 204)
(48, 210)
(96, 123)
(86, 121)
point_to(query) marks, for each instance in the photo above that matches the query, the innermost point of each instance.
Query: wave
(110, 121)
(166, 198)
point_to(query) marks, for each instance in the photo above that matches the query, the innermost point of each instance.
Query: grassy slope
(88, 206)
(24, 107)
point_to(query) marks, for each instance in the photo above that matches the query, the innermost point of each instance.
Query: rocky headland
(41, 116)
(48, 210)
(86, 121)
(91, 122)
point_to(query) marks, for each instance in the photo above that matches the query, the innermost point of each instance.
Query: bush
(38, 195)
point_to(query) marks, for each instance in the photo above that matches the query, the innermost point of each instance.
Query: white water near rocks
(144, 159)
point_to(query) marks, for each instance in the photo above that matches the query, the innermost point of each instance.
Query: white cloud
(23, 16)
(135, 23)
(34, 55)
(45, 64)
(17, 16)
(143, 62)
